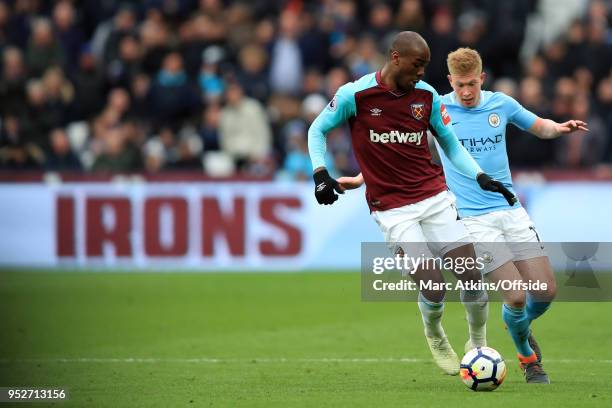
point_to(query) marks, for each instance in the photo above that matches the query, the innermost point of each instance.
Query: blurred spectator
(116, 155)
(565, 92)
(604, 99)
(43, 50)
(286, 66)
(88, 87)
(313, 82)
(239, 16)
(531, 95)
(297, 165)
(314, 42)
(197, 34)
(581, 149)
(366, 58)
(525, 149)
(442, 37)
(69, 34)
(15, 152)
(141, 106)
(380, 22)
(410, 16)
(252, 75)
(244, 132)
(336, 77)
(12, 82)
(38, 119)
(60, 157)
(5, 17)
(160, 150)
(599, 44)
(576, 45)
(507, 86)
(106, 37)
(122, 69)
(209, 127)
(59, 94)
(188, 153)
(537, 67)
(210, 81)
(154, 38)
(171, 96)
(18, 27)
(119, 102)
(473, 25)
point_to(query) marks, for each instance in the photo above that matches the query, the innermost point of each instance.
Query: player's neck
(387, 79)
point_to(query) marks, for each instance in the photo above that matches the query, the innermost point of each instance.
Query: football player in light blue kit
(479, 119)
(504, 234)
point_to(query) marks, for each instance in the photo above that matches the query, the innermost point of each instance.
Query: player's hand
(326, 187)
(571, 126)
(351, 183)
(487, 183)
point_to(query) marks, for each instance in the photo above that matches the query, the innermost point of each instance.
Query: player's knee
(435, 296)
(471, 275)
(515, 298)
(548, 294)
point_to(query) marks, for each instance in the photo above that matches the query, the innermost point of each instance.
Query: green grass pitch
(270, 340)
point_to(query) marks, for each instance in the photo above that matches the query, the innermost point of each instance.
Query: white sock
(476, 303)
(431, 312)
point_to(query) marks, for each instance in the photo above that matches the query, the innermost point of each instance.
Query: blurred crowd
(230, 87)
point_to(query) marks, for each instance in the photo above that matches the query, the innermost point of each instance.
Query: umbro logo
(375, 111)
(321, 187)
(455, 123)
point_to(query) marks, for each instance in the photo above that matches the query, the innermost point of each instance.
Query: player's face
(411, 68)
(467, 88)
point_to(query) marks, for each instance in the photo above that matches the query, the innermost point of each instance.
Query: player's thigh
(521, 234)
(538, 270)
(508, 274)
(402, 230)
(465, 263)
(408, 239)
(427, 276)
(442, 227)
(489, 241)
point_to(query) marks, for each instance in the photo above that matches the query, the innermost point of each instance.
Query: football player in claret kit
(504, 232)
(389, 113)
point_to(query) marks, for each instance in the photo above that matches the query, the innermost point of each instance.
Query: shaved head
(408, 42)
(408, 56)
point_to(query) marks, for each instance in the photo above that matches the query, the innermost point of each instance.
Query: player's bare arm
(549, 129)
(351, 183)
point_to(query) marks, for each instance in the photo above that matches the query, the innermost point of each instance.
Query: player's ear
(482, 77)
(450, 79)
(395, 57)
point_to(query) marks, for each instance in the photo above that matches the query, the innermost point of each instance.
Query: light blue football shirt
(482, 131)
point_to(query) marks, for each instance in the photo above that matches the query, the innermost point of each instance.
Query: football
(482, 369)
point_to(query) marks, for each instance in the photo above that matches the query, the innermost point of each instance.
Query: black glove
(487, 183)
(325, 186)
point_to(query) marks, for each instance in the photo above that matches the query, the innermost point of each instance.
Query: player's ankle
(532, 358)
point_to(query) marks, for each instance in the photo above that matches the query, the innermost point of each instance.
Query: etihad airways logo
(395, 136)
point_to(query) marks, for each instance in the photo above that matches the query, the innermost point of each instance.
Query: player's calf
(475, 300)
(535, 346)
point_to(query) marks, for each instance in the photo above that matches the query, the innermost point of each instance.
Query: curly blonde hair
(464, 61)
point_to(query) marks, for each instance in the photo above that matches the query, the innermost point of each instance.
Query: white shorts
(432, 222)
(502, 236)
